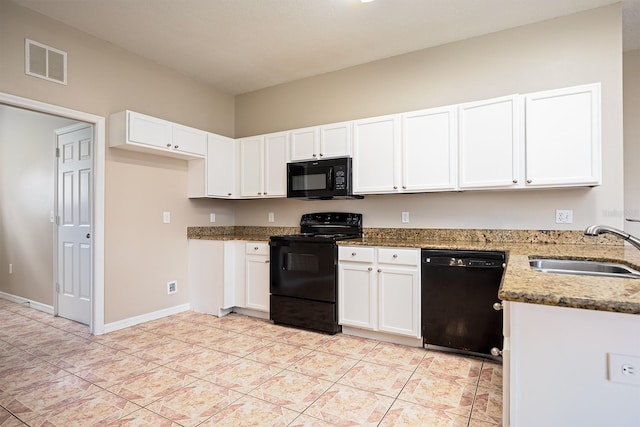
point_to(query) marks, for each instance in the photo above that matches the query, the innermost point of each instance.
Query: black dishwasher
(459, 290)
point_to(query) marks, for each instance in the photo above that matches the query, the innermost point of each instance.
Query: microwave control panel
(340, 177)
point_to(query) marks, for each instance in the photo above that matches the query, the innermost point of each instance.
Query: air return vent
(45, 62)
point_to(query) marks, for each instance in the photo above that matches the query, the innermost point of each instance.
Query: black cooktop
(327, 226)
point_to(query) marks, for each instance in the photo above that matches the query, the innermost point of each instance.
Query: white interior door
(74, 250)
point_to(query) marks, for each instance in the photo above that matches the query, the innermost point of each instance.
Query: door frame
(96, 325)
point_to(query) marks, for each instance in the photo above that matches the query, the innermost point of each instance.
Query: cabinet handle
(168, 145)
(175, 146)
(255, 248)
(395, 255)
(379, 270)
(259, 193)
(321, 154)
(266, 261)
(529, 181)
(353, 254)
(265, 193)
(515, 181)
(370, 268)
(497, 306)
(395, 187)
(314, 155)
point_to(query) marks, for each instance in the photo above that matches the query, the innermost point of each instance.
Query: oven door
(304, 270)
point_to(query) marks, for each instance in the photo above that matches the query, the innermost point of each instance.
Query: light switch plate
(405, 217)
(212, 217)
(271, 217)
(166, 217)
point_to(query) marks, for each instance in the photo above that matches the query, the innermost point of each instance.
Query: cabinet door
(399, 300)
(489, 143)
(189, 140)
(221, 166)
(375, 155)
(257, 282)
(563, 137)
(251, 167)
(149, 130)
(335, 139)
(206, 275)
(275, 165)
(429, 150)
(305, 144)
(357, 295)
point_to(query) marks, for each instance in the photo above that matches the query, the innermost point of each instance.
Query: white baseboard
(382, 336)
(31, 303)
(252, 313)
(136, 320)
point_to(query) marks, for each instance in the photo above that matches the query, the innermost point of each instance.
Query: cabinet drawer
(257, 248)
(355, 254)
(399, 256)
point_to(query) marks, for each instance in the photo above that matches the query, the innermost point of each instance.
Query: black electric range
(304, 271)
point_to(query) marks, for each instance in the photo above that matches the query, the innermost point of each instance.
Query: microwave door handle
(330, 178)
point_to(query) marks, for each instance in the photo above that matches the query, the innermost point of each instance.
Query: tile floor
(194, 369)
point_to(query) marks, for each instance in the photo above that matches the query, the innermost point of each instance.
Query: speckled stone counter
(519, 283)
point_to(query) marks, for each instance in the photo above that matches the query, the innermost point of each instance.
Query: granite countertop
(520, 283)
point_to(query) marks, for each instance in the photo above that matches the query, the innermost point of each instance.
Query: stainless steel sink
(583, 267)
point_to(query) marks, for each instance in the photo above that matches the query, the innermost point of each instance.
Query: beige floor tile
(100, 408)
(327, 366)
(201, 362)
(12, 358)
(270, 332)
(487, 405)
(342, 405)
(412, 415)
(209, 337)
(28, 374)
(130, 340)
(303, 338)
(8, 420)
(307, 421)
(440, 391)
(243, 375)
(292, 390)
(278, 354)
(381, 379)
(32, 400)
(194, 403)
(237, 344)
(345, 345)
(238, 323)
(166, 350)
(152, 385)
(395, 355)
(491, 376)
(451, 364)
(114, 371)
(249, 411)
(143, 418)
(83, 357)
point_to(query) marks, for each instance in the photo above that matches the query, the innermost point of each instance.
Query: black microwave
(320, 179)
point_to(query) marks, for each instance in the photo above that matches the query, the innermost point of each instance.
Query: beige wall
(27, 167)
(632, 139)
(572, 50)
(141, 253)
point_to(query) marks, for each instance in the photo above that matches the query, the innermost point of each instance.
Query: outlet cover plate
(564, 216)
(624, 368)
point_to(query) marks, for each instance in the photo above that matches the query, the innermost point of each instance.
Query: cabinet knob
(228, 194)
(495, 351)
(265, 193)
(176, 147)
(395, 255)
(395, 187)
(497, 306)
(370, 268)
(529, 181)
(259, 193)
(379, 270)
(404, 187)
(266, 261)
(255, 248)
(168, 145)
(353, 254)
(321, 155)
(314, 155)
(515, 181)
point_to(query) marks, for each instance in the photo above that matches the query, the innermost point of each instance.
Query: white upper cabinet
(321, 142)
(221, 166)
(489, 143)
(139, 132)
(429, 140)
(263, 165)
(376, 149)
(562, 137)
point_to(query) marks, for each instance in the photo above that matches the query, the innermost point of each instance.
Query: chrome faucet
(594, 230)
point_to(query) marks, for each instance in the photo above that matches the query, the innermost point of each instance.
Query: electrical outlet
(166, 217)
(271, 217)
(172, 287)
(624, 368)
(212, 217)
(405, 217)
(564, 216)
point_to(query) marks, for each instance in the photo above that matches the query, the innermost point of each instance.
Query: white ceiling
(240, 46)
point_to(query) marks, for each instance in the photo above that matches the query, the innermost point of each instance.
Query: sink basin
(582, 267)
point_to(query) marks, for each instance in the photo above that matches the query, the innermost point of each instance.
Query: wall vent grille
(45, 62)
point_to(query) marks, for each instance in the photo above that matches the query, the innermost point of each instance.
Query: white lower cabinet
(257, 276)
(379, 289)
(216, 276)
